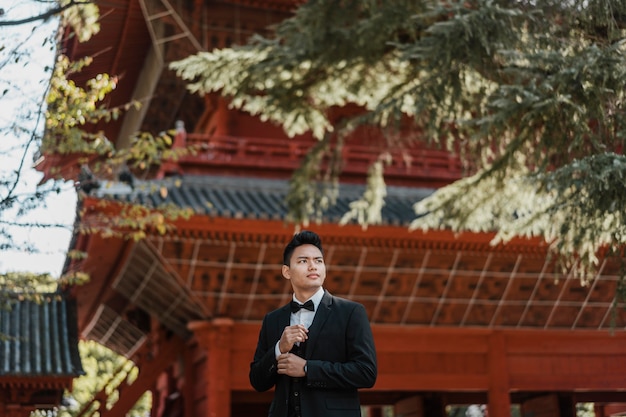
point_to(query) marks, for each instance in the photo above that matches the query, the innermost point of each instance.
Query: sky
(22, 85)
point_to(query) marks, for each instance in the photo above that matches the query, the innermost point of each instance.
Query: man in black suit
(318, 350)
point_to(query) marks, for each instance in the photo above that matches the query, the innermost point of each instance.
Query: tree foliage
(529, 95)
(71, 112)
(104, 371)
(25, 286)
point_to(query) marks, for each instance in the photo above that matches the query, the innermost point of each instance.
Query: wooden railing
(274, 155)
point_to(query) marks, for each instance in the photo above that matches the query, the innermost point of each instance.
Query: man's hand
(291, 335)
(291, 365)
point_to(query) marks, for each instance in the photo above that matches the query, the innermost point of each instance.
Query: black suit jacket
(340, 355)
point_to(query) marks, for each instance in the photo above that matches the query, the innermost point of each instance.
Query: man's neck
(305, 296)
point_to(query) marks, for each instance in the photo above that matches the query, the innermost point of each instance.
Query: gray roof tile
(39, 338)
(256, 198)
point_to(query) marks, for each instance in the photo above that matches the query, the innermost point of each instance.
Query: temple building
(456, 320)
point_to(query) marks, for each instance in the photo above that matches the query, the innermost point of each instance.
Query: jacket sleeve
(263, 369)
(358, 368)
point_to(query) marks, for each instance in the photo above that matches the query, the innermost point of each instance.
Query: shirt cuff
(277, 350)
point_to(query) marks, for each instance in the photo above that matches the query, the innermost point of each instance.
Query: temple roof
(253, 198)
(40, 338)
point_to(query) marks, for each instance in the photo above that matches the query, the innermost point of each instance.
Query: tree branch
(43, 16)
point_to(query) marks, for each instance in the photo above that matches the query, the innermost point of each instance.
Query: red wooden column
(499, 401)
(216, 337)
(189, 383)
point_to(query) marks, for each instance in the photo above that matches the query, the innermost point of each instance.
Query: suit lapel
(284, 319)
(323, 313)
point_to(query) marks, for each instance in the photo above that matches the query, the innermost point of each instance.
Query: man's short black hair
(305, 237)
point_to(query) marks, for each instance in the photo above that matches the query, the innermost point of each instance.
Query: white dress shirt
(303, 316)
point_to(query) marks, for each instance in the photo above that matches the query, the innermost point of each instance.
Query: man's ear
(286, 272)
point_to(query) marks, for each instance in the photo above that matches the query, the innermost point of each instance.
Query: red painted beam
(463, 359)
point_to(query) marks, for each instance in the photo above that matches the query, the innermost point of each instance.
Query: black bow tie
(295, 306)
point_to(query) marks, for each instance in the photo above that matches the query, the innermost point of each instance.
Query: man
(318, 352)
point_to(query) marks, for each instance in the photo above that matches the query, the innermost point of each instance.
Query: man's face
(306, 270)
